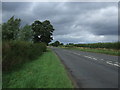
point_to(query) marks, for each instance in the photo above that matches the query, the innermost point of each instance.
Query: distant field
(45, 72)
(110, 45)
(111, 48)
(97, 50)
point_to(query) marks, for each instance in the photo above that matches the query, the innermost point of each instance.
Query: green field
(97, 50)
(45, 72)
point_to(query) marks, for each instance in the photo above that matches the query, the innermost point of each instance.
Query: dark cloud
(73, 21)
(15, 6)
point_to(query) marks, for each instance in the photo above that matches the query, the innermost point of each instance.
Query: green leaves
(19, 52)
(38, 31)
(56, 43)
(26, 33)
(42, 31)
(10, 29)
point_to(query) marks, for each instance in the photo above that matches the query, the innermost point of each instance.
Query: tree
(61, 44)
(42, 31)
(56, 43)
(10, 29)
(0, 32)
(26, 33)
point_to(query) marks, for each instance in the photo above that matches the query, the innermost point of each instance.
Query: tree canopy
(37, 32)
(56, 44)
(26, 33)
(42, 31)
(10, 29)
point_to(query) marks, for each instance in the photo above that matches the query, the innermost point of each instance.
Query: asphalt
(90, 70)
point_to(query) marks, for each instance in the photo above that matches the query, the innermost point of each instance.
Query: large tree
(42, 31)
(10, 29)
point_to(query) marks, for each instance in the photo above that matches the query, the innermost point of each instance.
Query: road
(90, 70)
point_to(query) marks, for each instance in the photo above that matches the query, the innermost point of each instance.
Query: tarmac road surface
(90, 70)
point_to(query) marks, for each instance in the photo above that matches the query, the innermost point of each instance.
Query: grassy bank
(45, 72)
(97, 50)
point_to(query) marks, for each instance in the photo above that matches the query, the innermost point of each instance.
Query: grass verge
(104, 51)
(45, 72)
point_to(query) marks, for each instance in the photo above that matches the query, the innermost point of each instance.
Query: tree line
(109, 45)
(56, 44)
(36, 32)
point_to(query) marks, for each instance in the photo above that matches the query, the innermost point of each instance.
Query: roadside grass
(96, 50)
(45, 72)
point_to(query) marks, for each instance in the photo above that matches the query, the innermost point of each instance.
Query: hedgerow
(19, 52)
(114, 45)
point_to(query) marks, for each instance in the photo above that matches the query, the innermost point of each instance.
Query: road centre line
(94, 58)
(76, 53)
(117, 64)
(114, 64)
(108, 62)
(102, 59)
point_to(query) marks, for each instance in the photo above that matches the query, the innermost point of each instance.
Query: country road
(90, 70)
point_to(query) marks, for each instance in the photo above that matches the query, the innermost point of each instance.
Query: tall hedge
(17, 52)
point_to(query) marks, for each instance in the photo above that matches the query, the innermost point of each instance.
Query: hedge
(19, 52)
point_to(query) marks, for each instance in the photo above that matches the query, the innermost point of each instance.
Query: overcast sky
(74, 22)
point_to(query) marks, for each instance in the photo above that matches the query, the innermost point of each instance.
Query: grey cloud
(70, 20)
(13, 6)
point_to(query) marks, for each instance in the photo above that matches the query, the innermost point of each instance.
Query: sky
(74, 22)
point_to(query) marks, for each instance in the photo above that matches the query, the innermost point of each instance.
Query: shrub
(17, 52)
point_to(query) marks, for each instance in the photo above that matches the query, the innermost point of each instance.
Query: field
(110, 45)
(44, 72)
(97, 50)
(111, 48)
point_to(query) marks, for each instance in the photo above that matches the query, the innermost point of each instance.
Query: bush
(17, 52)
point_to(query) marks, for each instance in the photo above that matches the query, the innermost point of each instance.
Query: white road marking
(85, 56)
(114, 64)
(90, 57)
(76, 53)
(94, 58)
(102, 59)
(117, 64)
(108, 62)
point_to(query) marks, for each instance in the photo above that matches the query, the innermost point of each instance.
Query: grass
(45, 72)
(97, 50)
